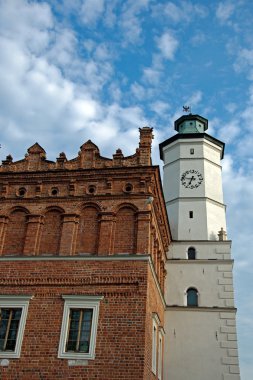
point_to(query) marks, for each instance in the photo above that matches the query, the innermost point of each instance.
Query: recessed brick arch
(51, 231)
(88, 229)
(16, 232)
(125, 229)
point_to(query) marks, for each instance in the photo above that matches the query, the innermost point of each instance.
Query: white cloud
(229, 131)
(231, 107)
(102, 52)
(194, 99)
(181, 12)
(91, 11)
(138, 91)
(173, 11)
(40, 88)
(152, 75)
(224, 11)
(110, 16)
(115, 92)
(168, 45)
(160, 108)
(131, 22)
(29, 26)
(198, 38)
(244, 62)
(117, 119)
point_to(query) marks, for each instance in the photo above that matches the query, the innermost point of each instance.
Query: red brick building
(82, 245)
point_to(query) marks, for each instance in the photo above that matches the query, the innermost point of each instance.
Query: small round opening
(91, 189)
(54, 191)
(21, 192)
(128, 187)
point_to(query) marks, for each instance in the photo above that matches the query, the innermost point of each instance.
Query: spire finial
(187, 109)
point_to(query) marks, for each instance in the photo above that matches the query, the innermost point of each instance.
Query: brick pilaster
(3, 225)
(143, 229)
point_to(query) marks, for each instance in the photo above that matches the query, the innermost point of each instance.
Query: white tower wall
(206, 201)
(200, 341)
(196, 353)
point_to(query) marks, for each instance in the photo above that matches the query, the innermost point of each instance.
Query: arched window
(192, 297)
(88, 231)
(51, 233)
(125, 232)
(191, 253)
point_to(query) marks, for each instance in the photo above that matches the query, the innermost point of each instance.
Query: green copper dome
(191, 124)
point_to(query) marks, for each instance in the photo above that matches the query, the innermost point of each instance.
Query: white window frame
(10, 302)
(155, 323)
(81, 302)
(160, 352)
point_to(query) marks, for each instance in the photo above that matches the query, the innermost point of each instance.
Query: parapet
(88, 157)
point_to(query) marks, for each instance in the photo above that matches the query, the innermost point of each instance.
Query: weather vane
(187, 109)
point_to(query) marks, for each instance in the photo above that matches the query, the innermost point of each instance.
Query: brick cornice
(60, 281)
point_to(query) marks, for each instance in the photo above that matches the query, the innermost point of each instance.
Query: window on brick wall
(79, 327)
(13, 313)
(155, 323)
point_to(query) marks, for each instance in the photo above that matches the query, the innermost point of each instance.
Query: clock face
(191, 179)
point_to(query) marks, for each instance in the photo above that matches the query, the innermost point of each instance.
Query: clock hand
(191, 179)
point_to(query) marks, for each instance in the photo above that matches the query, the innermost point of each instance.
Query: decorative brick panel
(125, 231)
(16, 233)
(88, 231)
(51, 232)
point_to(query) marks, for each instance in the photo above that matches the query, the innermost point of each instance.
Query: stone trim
(84, 257)
(207, 199)
(214, 309)
(201, 261)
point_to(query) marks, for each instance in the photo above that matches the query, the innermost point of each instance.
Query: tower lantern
(191, 124)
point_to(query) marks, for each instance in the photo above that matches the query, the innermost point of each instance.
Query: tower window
(190, 214)
(191, 253)
(192, 297)
(192, 151)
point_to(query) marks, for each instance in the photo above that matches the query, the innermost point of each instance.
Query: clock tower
(192, 180)
(201, 340)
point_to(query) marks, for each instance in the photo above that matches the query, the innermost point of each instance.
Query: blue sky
(75, 70)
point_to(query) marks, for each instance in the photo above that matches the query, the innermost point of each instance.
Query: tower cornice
(187, 136)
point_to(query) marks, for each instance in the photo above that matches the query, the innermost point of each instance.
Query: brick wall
(125, 316)
(86, 226)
